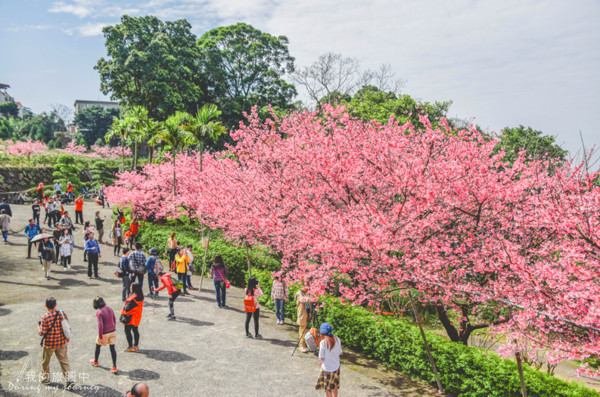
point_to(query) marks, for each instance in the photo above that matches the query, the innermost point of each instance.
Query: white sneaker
(69, 266)
(64, 269)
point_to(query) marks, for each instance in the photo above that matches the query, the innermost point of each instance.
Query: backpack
(177, 283)
(312, 339)
(249, 305)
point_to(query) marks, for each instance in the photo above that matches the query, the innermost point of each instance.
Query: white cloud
(88, 29)
(80, 8)
(22, 28)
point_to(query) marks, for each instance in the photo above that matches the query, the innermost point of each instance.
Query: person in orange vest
(70, 190)
(40, 191)
(79, 210)
(133, 312)
(133, 229)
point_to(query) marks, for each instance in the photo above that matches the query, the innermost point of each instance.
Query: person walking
(6, 207)
(301, 300)
(36, 209)
(92, 248)
(138, 260)
(330, 351)
(117, 236)
(152, 269)
(50, 213)
(133, 315)
(172, 251)
(54, 342)
(87, 229)
(67, 223)
(100, 227)
(107, 332)
(279, 294)
(45, 249)
(79, 210)
(181, 267)
(167, 282)
(31, 230)
(56, 236)
(4, 225)
(253, 291)
(125, 266)
(219, 274)
(66, 249)
(134, 229)
(188, 277)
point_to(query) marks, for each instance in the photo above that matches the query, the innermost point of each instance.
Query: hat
(153, 251)
(326, 329)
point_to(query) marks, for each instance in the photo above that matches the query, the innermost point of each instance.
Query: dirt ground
(204, 352)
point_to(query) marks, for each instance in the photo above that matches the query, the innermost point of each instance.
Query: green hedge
(463, 370)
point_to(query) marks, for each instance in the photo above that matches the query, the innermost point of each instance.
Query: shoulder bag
(227, 283)
(66, 326)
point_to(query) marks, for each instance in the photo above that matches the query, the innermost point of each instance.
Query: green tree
(537, 145)
(10, 127)
(41, 127)
(65, 170)
(93, 123)
(151, 64)
(9, 109)
(243, 67)
(176, 137)
(203, 126)
(119, 129)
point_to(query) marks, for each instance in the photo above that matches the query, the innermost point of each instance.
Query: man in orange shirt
(133, 229)
(79, 210)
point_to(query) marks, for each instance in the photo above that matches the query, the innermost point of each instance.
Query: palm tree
(151, 129)
(203, 126)
(120, 129)
(175, 136)
(137, 116)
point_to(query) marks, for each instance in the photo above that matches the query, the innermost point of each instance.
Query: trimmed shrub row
(463, 370)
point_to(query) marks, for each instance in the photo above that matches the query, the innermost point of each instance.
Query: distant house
(23, 110)
(81, 104)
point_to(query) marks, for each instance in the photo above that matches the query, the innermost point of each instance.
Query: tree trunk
(122, 156)
(150, 151)
(450, 328)
(201, 154)
(174, 176)
(135, 156)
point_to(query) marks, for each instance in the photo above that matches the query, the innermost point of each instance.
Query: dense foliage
(93, 123)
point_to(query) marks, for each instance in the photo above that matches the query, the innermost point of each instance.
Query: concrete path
(203, 353)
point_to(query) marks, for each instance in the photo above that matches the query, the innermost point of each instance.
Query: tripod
(312, 315)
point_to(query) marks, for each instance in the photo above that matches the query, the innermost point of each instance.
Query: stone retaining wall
(14, 179)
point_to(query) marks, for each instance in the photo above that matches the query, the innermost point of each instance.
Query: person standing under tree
(117, 236)
(100, 227)
(4, 225)
(79, 210)
(330, 351)
(302, 316)
(219, 273)
(107, 332)
(181, 267)
(279, 294)
(172, 245)
(253, 291)
(55, 342)
(134, 229)
(92, 249)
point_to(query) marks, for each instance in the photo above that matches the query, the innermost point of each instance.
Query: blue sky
(503, 63)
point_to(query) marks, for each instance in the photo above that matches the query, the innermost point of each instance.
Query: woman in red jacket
(167, 282)
(133, 312)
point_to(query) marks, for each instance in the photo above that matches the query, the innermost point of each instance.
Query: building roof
(4, 86)
(84, 101)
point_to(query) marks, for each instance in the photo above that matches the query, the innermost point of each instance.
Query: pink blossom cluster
(365, 209)
(26, 148)
(108, 152)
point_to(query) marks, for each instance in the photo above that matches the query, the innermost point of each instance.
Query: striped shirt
(55, 337)
(279, 290)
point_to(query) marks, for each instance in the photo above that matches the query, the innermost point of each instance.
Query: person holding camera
(131, 315)
(330, 351)
(252, 306)
(107, 332)
(54, 342)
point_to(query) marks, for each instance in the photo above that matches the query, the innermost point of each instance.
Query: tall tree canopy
(151, 64)
(243, 67)
(537, 145)
(93, 123)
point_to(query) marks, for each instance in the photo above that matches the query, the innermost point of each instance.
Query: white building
(82, 104)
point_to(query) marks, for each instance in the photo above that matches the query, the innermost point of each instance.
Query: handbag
(66, 327)
(125, 318)
(141, 270)
(227, 283)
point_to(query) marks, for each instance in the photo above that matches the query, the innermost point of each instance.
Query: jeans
(248, 316)
(36, 219)
(79, 217)
(139, 278)
(29, 245)
(132, 341)
(66, 260)
(280, 309)
(126, 286)
(188, 280)
(220, 292)
(92, 263)
(172, 298)
(5, 235)
(57, 252)
(152, 282)
(181, 277)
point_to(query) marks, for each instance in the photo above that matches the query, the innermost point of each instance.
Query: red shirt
(55, 337)
(79, 205)
(134, 228)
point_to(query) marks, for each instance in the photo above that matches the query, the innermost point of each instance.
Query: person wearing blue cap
(330, 351)
(152, 273)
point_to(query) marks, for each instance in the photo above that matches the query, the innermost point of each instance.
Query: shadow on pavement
(166, 355)
(12, 355)
(194, 322)
(4, 311)
(52, 287)
(94, 390)
(279, 342)
(141, 375)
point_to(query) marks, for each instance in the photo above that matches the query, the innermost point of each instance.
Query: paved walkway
(204, 352)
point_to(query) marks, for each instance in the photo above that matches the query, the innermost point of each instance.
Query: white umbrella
(41, 236)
